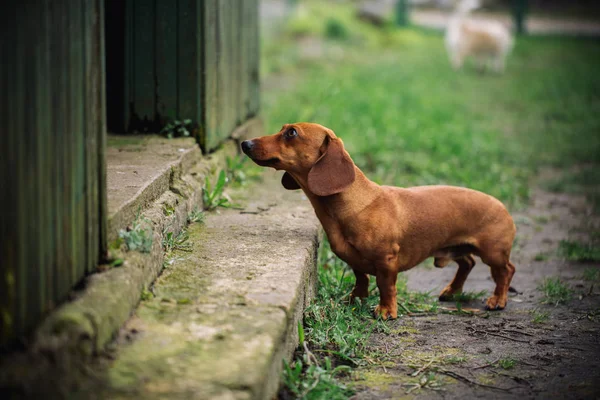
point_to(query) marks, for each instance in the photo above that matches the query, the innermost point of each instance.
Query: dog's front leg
(361, 287)
(386, 282)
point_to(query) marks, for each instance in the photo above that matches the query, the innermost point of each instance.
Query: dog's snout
(247, 145)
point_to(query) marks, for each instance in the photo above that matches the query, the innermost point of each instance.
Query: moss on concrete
(210, 329)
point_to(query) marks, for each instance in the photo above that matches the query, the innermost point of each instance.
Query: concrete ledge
(91, 318)
(225, 314)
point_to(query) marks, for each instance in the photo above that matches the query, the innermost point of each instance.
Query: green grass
(469, 296)
(591, 274)
(555, 291)
(578, 251)
(173, 242)
(196, 215)
(507, 363)
(213, 194)
(539, 317)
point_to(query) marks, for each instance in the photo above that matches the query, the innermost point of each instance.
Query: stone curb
(90, 319)
(224, 314)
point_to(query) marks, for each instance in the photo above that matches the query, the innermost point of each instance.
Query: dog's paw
(447, 294)
(495, 303)
(385, 313)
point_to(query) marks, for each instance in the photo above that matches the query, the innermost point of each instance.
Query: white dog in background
(484, 40)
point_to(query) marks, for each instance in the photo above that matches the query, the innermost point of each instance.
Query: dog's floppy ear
(333, 172)
(289, 182)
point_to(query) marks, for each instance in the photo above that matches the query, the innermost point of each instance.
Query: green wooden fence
(183, 59)
(52, 145)
(177, 59)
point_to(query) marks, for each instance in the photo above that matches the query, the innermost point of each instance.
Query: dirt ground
(451, 355)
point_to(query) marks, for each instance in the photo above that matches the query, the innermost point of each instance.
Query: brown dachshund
(383, 230)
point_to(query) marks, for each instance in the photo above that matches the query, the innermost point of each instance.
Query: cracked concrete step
(224, 315)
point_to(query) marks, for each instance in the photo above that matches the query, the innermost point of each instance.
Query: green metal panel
(53, 198)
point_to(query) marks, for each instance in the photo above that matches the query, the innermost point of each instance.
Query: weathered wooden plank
(117, 87)
(19, 162)
(45, 207)
(77, 134)
(129, 67)
(8, 219)
(188, 69)
(210, 38)
(222, 72)
(30, 180)
(244, 61)
(143, 61)
(166, 59)
(98, 110)
(254, 84)
(236, 48)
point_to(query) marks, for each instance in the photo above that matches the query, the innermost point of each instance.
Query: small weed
(177, 128)
(507, 363)
(465, 297)
(235, 169)
(168, 210)
(541, 219)
(117, 262)
(428, 380)
(541, 257)
(116, 244)
(591, 274)
(136, 237)
(309, 378)
(172, 242)
(540, 317)
(453, 360)
(555, 292)
(196, 215)
(213, 195)
(146, 295)
(576, 251)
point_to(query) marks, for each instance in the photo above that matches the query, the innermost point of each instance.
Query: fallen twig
(423, 368)
(519, 332)
(497, 334)
(487, 365)
(464, 379)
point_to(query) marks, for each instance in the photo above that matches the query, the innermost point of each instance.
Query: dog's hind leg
(361, 287)
(502, 273)
(465, 265)
(497, 256)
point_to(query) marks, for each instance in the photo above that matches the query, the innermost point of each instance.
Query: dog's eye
(291, 133)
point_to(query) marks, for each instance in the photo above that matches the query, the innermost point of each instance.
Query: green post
(520, 8)
(402, 13)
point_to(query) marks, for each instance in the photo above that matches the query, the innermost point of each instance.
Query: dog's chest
(361, 250)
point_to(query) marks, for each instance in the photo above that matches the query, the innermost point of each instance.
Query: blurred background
(378, 73)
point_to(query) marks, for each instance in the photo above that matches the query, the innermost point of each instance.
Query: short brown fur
(383, 230)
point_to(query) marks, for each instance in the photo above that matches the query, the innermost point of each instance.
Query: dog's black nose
(247, 145)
